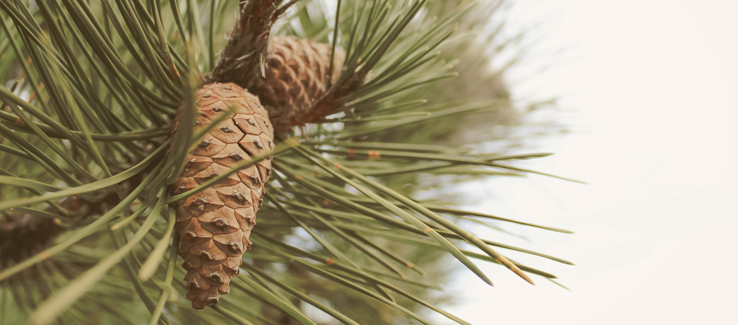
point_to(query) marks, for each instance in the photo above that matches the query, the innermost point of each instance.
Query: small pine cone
(296, 77)
(215, 224)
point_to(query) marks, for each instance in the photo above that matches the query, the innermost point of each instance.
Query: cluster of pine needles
(87, 214)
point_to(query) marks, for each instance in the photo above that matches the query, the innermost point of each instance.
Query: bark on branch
(244, 57)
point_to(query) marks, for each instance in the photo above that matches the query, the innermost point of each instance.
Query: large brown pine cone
(215, 224)
(296, 77)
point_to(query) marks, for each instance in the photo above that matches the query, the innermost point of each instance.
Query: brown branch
(244, 57)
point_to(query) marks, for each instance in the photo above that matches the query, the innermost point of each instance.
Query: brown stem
(244, 57)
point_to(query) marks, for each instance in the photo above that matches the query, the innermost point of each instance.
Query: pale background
(652, 87)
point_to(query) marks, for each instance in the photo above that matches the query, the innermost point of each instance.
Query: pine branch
(105, 80)
(244, 57)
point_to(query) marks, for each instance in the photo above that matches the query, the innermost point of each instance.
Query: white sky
(655, 88)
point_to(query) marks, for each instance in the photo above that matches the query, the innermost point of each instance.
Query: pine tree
(143, 155)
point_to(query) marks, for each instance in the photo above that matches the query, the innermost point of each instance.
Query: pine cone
(215, 224)
(296, 77)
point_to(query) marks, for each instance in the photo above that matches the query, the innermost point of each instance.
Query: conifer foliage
(139, 148)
